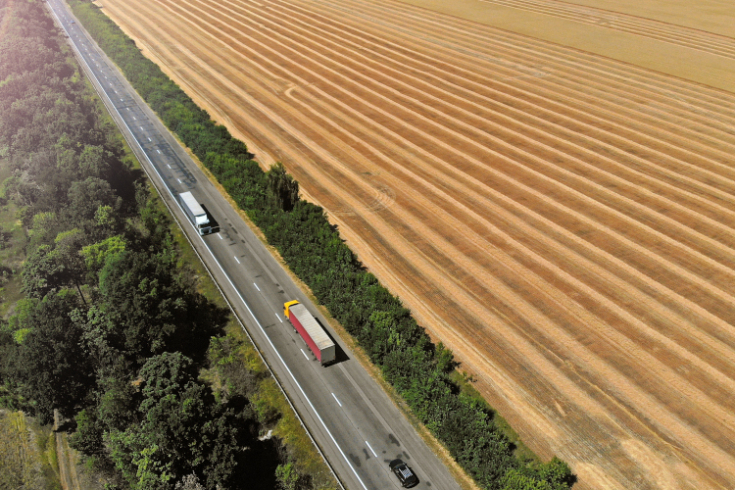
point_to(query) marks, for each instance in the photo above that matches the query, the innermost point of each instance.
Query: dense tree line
(112, 331)
(313, 249)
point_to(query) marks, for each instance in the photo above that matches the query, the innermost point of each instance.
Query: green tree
(96, 255)
(67, 254)
(93, 161)
(51, 267)
(67, 160)
(143, 309)
(284, 190)
(86, 197)
(87, 437)
(189, 482)
(41, 273)
(554, 475)
(287, 476)
(106, 221)
(182, 429)
(117, 408)
(52, 360)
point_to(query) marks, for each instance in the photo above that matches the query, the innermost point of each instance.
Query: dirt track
(568, 220)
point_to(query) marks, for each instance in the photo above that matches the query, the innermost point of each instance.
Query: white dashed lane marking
(371, 449)
(335, 397)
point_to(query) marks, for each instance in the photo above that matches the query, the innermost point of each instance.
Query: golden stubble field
(691, 39)
(565, 222)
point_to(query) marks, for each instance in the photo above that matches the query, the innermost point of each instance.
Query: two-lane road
(353, 421)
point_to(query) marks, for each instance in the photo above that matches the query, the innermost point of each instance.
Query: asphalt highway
(353, 422)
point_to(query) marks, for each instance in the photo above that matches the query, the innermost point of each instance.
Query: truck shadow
(213, 222)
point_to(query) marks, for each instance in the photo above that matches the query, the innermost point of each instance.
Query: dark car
(405, 475)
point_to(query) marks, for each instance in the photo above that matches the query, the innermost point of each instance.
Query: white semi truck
(196, 213)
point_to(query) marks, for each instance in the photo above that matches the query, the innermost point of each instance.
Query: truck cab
(195, 213)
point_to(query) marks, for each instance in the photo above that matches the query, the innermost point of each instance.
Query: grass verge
(27, 454)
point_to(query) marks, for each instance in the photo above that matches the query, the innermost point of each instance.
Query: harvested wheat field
(691, 39)
(671, 33)
(563, 221)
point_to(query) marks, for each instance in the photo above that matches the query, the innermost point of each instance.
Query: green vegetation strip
(311, 247)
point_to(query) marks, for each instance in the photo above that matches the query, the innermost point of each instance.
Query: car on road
(404, 474)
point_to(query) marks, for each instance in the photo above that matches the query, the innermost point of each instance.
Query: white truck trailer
(196, 213)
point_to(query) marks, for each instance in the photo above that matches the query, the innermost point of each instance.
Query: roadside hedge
(419, 370)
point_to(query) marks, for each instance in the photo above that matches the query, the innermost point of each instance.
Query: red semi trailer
(310, 330)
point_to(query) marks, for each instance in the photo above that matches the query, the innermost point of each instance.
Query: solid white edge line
(371, 449)
(256, 286)
(232, 285)
(304, 353)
